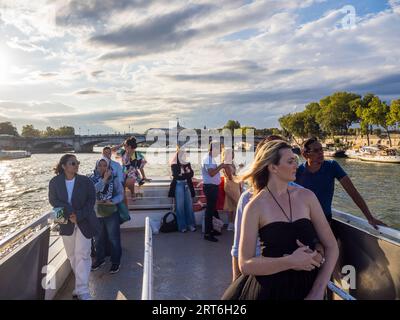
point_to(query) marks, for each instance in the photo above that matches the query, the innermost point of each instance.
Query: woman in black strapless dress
(289, 222)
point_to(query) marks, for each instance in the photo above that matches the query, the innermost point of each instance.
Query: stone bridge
(77, 143)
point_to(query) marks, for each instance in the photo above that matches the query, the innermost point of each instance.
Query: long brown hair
(268, 154)
(58, 169)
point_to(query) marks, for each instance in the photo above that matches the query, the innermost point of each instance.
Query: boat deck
(126, 284)
(186, 267)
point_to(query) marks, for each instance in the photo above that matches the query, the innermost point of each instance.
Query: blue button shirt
(322, 182)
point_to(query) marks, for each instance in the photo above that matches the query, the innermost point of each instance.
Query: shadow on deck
(186, 267)
(126, 284)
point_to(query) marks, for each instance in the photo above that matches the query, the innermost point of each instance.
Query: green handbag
(123, 211)
(106, 210)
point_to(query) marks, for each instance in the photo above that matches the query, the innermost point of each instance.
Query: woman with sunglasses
(76, 194)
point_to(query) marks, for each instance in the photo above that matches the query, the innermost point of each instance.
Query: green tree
(8, 128)
(65, 131)
(293, 125)
(394, 113)
(337, 114)
(29, 131)
(49, 132)
(245, 129)
(311, 124)
(360, 106)
(378, 114)
(232, 125)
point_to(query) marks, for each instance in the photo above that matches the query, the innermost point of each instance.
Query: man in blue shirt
(318, 175)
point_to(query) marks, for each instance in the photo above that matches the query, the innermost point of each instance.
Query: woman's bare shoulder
(257, 199)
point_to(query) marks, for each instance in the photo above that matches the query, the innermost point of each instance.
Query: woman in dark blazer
(182, 189)
(77, 196)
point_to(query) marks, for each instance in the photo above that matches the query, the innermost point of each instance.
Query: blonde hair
(268, 154)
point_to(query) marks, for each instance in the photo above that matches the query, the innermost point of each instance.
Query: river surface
(24, 187)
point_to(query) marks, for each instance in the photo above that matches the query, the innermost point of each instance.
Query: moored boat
(14, 154)
(379, 154)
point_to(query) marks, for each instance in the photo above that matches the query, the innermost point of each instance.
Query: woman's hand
(72, 218)
(107, 175)
(303, 259)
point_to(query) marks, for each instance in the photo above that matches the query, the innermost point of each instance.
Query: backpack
(169, 226)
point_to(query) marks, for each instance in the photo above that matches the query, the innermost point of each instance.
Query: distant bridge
(80, 144)
(76, 143)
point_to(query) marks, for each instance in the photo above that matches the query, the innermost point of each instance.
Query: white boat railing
(340, 292)
(147, 286)
(386, 233)
(15, 239)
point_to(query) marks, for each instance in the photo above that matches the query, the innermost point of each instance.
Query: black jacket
(176, 170)
(83, 201)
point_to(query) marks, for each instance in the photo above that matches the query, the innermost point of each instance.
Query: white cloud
(205, 61)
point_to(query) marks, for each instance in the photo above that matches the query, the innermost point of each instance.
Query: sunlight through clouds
(203, 61)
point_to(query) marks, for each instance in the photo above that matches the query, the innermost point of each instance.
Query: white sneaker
(230, 227)
(85, 296)
(192, 228)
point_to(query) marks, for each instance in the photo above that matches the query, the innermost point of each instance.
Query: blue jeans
(183, 205)
(109, 229)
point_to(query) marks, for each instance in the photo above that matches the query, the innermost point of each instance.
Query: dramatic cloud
(107, 65)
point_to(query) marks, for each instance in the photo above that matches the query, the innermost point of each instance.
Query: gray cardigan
(83, 201)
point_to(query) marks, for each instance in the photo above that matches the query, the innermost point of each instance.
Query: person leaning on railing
(76, 194)
(243, 201)
(290, 222)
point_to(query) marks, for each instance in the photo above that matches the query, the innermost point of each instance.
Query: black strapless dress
(278, 239)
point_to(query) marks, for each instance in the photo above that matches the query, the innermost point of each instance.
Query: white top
(209, 163)
(70, 187)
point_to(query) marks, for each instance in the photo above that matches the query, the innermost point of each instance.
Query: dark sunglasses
(318, 150)
(73, 163)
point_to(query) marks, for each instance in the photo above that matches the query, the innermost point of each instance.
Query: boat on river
(177, 266)
(14, 154)
(379, 154)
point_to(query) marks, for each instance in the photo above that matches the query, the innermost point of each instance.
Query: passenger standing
(109, 193)
(182, 189)
(115, 166)
(232, 186)
(210, 171)
(243, 201)
(289, 221)
(76, 194)
(318, 175)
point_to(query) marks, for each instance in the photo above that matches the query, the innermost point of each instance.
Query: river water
(24, 187)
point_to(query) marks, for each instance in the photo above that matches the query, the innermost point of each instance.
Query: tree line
(335, 114)
(29, 131)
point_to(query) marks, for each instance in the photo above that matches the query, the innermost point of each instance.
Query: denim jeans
(183, 205)
(211, 193)
(109, 229)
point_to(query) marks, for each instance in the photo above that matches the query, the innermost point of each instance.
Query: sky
(107, 66)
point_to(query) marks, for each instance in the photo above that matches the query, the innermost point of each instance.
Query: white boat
(13, 154)
(352, 154)
(177, 266)
(379, 154)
